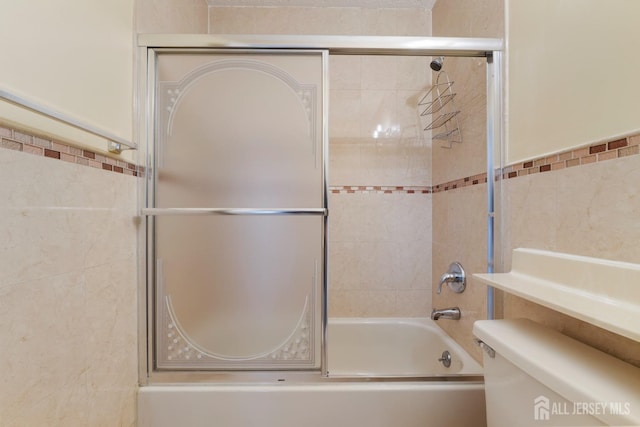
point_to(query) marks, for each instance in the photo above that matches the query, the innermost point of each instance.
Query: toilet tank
(535, 376)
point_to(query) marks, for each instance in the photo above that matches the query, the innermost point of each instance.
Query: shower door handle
(233, 211)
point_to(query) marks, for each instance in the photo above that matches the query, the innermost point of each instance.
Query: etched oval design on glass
(238, 131)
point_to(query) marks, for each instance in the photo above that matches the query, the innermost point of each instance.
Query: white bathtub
(357, 347)
(380, 347)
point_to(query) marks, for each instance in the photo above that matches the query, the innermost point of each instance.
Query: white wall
(573, 68)
(74, 56)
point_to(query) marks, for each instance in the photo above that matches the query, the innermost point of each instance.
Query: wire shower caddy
(438, 103)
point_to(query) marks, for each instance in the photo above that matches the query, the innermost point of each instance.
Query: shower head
(436, 64)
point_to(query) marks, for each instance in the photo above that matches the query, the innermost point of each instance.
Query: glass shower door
(238, 209)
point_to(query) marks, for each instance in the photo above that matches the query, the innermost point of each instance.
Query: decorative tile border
(598, 152)
(399, 189)
(468, 181)
(377, 189)
(601, 151)
(19, 140)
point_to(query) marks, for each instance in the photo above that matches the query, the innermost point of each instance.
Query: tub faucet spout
(452, 313)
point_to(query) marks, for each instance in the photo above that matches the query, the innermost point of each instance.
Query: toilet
(535, 376)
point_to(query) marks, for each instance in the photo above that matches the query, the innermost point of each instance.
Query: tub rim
(231, 378)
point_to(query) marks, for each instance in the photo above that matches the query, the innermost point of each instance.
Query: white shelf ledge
(601, 292)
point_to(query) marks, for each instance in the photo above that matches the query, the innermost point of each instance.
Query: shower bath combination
(236, 212)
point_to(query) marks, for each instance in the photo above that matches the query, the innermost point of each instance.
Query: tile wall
(67, 285)
(460, 214)
(379, 226)
(585, 202)
(171, 16)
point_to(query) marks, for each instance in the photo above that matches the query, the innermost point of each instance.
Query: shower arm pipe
(336, 45)
(63, 118)
(233, 211)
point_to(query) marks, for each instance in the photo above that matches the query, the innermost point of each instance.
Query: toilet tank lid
(574, 370)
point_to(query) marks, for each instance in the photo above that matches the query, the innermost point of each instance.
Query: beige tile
(31, 149)
(72, 330)
(377, 112)
(345, 72)
(345, 113)
(39, 243)
(384, 163)
(413, 303)
(11, 145)
(28, 139)
(419, 165)
(108, 407)
(411, 216)
(413, 22)
(379, 73)
(232, 20)
(413, 265)
(171, 16)
(597, 207)
(609, 155)
(377, 266)
(375, 219)
(629, 151)
(379, 22)
(111, 325)
(533, 211)
(330, 20)
(344, 265)
(43, 350)
(344, 165)
(362, 303)
(344, 218)
(408, 114)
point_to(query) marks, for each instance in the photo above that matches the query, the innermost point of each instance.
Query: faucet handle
(455, 277)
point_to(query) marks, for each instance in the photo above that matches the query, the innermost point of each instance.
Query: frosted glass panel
(238, 131)
(239, 291)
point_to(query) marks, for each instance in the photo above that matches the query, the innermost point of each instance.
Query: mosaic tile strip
(19, 140)
(599, 152)
(377, 189)
(462, 182)
(399, 189)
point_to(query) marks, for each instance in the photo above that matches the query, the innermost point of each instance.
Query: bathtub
(382, 373)
(393, 347)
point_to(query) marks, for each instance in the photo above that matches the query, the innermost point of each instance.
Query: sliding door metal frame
(233, 211)
(148, 212)
(494, 174)
(336, 45)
